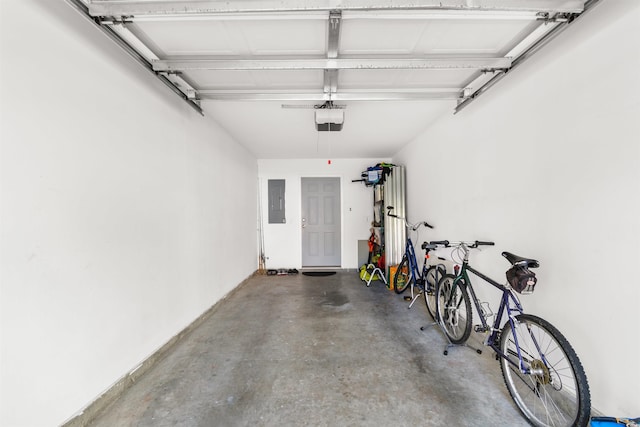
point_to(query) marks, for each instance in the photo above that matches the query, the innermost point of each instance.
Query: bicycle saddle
(518, 260)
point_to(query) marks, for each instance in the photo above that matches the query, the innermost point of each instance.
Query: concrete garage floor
(316, 351)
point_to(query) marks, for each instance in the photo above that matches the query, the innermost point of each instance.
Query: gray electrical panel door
(276, 202)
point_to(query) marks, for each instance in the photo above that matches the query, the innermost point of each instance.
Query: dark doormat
(319, 273)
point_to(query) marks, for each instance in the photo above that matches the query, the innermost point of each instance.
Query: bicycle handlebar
(444, 243)
(413, 227)
(474, 244)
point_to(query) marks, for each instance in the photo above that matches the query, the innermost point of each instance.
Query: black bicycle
(540, 368)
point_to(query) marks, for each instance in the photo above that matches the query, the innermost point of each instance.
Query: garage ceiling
(261, 68)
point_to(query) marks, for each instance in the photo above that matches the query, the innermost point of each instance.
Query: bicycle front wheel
(402, 279)
(433, 274)
(454, 308)
(553, 391)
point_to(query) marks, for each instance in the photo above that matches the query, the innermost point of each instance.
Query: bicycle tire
(403, 277)
(558, 395)
(430, 295)
(453, 307)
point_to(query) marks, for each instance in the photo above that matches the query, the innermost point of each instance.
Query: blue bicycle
(408, 273)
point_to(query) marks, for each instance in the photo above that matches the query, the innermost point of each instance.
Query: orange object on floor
(392, 273)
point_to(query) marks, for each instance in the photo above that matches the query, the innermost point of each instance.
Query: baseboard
(91, 411)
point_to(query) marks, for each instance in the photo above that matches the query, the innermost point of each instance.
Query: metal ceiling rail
(526, 54)
(333, 64)
(79, 6)
(330, 77)
(319, 97)
(189, 7)
(333, 31)
(408, 15)
(111, 16)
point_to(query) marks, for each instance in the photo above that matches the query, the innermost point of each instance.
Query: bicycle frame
(509, 304)
(410, 251)
(414, 272)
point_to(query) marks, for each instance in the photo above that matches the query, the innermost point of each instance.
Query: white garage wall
(119, 226)
(283, 241)
(547, 164)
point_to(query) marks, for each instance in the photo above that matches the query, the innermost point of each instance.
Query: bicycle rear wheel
(403, 278)
(433, 274)
(454, 308)
(556, 393)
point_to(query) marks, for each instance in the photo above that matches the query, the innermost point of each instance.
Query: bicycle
(540, 368)
(408, 273)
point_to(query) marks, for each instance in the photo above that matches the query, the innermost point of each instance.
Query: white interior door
(321, 241)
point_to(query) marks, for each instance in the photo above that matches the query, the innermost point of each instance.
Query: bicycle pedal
(480, 328)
